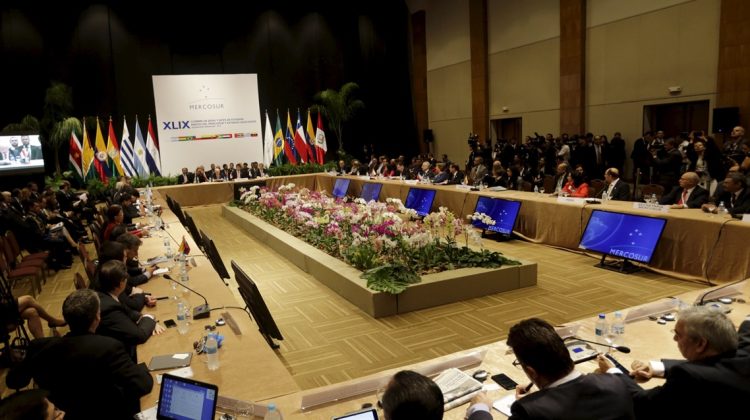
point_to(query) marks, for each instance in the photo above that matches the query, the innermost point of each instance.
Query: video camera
(473, 140)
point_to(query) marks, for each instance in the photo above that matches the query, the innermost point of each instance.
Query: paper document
(503, 404)
(84, 197)
(457, 386)
(160, 271)
(156, 260)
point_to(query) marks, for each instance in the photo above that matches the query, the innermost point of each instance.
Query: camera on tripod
(473, 140)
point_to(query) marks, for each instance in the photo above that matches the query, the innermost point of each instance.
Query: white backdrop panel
(207, 118)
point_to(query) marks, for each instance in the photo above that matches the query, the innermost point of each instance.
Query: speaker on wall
(725, 119)
(428, 137)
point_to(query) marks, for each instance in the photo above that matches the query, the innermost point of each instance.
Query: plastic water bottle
(272, 413)
(618, 325)
(182, 326)
(605, 197)
(601, 328)
(212, 352)
(722, 209)
(654, 200)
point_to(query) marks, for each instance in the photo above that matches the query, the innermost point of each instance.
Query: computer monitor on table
(184, 398)
(340, 188)
(420, 200)
(628, 236)
(371, 191)
(503, 212)
(257, 306)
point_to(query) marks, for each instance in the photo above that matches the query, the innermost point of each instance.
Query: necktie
(732, 200)
(683, 198)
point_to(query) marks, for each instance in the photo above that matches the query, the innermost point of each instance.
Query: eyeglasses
(517, 364)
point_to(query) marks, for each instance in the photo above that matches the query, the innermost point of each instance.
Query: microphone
(621, 349)
(200, 311)
(702, 300)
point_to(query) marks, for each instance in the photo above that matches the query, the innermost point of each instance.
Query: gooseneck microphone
(200, 311)
(621, 349)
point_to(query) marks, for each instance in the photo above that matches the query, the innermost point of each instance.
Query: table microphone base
(201, 311)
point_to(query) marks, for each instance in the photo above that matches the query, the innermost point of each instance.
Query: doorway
(676, 118)
(507, 128)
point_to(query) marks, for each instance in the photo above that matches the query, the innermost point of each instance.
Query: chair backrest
(595, 187)
(7, 250)
(11, 238)
(83, 252)
(649, 189)
(90, 270)
(527, 186)
(79, 282)
(549, 184)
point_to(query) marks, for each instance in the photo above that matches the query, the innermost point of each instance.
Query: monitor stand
(624, 266)
(498, 237)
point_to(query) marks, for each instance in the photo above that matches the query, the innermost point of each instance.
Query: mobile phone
(169, 323)
(504, 381)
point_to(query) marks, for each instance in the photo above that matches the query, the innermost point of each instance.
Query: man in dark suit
(563, 391)
(687, 195)
(185, 177)
(616, 188)
(88, 376)
(733, 193)
(28, 149)
(117, 320)
(713, 381)
(455, 176)
(254, 171)
(410, 395)
(668, 163)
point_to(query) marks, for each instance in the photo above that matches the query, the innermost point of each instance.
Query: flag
(310, 137)
(100, 163)
(126, 152)
(299, 141)
(113, 151)
(139, 147)
(184, 248)
(320, 141)
(152, 150)
(278, 141)
(75, 155)
(289, 150)
(268, 143)
(88, 156)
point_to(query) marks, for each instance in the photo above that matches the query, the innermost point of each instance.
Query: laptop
(186, 399)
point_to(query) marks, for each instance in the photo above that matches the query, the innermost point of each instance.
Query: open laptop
(186, 399)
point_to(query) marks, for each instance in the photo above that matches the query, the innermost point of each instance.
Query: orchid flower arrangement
(383, 239)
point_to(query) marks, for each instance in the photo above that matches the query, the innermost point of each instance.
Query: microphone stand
(621, 349)
(200, 311)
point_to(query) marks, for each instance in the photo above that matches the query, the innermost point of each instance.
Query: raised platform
(434, 290)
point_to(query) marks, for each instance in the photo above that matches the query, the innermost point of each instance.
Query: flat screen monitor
(503, 212)
(20, 153)
(622, 235)
(371, 191)
(257, 306)
(186, 399)
(340, 188)
(420, 200)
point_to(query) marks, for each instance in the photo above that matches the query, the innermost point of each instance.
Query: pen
(528, 388)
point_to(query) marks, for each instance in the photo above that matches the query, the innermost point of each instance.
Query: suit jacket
(254, 172)
(186, 179)
(88, 376)
(456, 178)
(741, 204)
(718, 387)
(696, 198)
(593, 396)
(621, 191)
(124, 324)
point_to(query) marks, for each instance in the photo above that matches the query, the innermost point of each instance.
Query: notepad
(170, 361)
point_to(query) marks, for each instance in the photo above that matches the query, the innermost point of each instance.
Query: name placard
(574, 200)
(651, 207)
(746, 217)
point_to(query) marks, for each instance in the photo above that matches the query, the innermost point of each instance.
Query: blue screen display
(340, 188)
(503, 212)
(622, 235)
(420, 200)
(371, 191)
(186, 401)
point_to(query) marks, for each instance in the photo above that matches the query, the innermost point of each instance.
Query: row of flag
(100, 160)
(296, 145)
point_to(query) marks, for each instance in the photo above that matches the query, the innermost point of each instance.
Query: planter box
(434, 290)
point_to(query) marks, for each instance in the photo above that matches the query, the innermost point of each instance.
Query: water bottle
(167, 247)
(605, 197)
(182, 326)
(601, 328)
(654, 200)
(212, 352)
(618, 326)
(722, 209)
(272, 413)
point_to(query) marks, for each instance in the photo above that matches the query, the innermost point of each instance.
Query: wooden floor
(328, 340)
